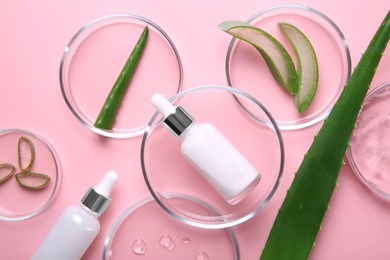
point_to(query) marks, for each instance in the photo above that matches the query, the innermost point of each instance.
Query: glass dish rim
(350, 157)
(325, 114)
(57, 164)
(109, 133)
(150, 199)
(224, 222)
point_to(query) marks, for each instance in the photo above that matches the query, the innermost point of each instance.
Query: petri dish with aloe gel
(248, 126)
(17, 202)
(145, 231)
(369, 153)
(246, 69)
(93, 59)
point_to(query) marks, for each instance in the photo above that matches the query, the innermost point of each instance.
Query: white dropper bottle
(208, 151)
(78, 226)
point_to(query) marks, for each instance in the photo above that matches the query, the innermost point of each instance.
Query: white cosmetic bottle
(208, 151)
(78, 226)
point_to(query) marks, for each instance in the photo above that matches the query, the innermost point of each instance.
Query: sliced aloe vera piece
(307, 65)
(275, 55)
(32, 180)
(6, 171)
(26, 153)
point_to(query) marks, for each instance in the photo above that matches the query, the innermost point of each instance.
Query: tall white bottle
(207, 150)
(78, 226)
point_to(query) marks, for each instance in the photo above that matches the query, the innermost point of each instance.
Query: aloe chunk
(307, 65)
(299, 218)
(26, 153)
(274, 54)
(6, 171)
(32, 180)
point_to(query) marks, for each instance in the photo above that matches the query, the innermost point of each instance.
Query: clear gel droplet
(202, 256)
(167, 242)
(186, 240)
(139, 247)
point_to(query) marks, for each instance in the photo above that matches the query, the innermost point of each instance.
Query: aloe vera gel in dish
(369, 153)
(208, 151)
(78, 226)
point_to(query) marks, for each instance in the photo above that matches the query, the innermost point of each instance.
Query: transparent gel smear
(370, 141)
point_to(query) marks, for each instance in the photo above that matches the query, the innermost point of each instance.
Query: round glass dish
(145, 230)
(166, 170)
(93, 59)
(369, 153)
(17, 202)
(246, 70)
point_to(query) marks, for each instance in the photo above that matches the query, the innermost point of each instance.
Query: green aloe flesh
(107, 115)
(299, 218)
(274, 54)
(307, 65)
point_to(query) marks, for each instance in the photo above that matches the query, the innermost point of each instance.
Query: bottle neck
(178, 121)
(89, 211)
(191, 128)
(95, 202)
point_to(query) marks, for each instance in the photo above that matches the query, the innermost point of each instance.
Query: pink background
(34, 34)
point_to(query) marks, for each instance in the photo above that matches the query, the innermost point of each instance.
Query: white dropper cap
(163, 105)
(107, 183)
(98, 198)
(176, 119)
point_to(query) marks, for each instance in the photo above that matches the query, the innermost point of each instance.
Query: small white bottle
(78, 226)
(208, 151)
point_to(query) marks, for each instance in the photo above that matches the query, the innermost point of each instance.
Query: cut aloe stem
(6, 171)
(107, 115)
(307, 65)
(274, 54)
(26, 153)
(299, 219)
(32, 180)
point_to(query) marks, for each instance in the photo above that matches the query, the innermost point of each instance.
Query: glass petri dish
(93, 59)
(144, 230)
(245, 68)
(369, 152)
(166, 171)
(16, 202)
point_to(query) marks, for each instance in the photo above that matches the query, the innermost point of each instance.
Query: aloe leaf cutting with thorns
(299, 219)
(107, 114)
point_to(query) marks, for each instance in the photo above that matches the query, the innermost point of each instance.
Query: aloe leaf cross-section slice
(26, 153)
(6, 171)
(307, 65)
(275, 55)
(32, 180)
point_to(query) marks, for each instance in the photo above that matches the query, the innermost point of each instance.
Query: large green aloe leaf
(299, 218)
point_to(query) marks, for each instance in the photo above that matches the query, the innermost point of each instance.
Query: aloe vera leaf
(299, 218)
(274, 54)
(307, 65)
(107, 114)
(32, 180)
